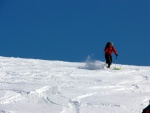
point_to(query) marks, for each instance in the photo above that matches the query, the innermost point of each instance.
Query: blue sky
(70, 30)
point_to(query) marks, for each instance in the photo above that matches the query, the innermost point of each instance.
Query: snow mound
(42, 86)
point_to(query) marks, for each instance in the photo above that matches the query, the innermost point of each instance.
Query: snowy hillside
(40, 86)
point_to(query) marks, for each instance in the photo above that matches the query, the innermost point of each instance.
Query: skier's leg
(107, 58)
(109, 61)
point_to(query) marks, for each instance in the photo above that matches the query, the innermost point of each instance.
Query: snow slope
(40, 86)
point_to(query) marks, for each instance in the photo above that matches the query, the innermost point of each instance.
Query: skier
(108, 53)
(147, 109)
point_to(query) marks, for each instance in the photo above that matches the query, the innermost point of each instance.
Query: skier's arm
(115, 51)
(106, 50)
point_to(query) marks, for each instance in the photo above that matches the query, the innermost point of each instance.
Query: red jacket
(109, 49)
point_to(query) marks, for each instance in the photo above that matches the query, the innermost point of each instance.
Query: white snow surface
(42, 86)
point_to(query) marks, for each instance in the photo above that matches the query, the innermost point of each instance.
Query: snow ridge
(41, 86)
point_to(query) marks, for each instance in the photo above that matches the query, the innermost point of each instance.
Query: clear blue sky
(70, 30)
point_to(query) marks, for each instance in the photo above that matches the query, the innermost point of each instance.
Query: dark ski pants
(108, 59)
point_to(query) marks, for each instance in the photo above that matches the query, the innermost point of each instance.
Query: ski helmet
(109, 44)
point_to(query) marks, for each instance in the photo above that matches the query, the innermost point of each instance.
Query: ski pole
(116, 62)
(117, 67)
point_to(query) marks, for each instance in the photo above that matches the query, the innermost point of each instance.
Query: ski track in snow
(40, 86)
